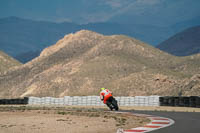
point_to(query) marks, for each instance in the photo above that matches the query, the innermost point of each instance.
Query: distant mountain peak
(83, 31)
(183, 43)
(86, 33)
(81, 35)
(60, 44)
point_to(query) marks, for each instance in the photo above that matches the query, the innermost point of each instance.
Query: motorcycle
(112, 104)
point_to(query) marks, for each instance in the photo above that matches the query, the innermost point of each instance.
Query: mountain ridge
(83, 62)
(183, 43)
(29, 35)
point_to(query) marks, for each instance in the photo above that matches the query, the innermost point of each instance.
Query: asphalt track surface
(185, 122)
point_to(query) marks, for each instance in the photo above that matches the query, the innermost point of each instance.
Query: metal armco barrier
(192, 101)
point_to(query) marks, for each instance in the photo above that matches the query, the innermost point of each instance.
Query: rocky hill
(184, 43)
(81, 63)
(29, 37)
(7, 62)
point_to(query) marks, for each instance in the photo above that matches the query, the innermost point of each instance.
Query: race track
(185, 122)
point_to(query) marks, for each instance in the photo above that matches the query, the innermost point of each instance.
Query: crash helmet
(102, 89)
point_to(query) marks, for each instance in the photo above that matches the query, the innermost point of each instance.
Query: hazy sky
(161, 12)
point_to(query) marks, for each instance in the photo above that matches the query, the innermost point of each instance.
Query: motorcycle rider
(106, 97)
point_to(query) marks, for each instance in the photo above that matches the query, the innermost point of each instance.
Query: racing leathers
(105, 95)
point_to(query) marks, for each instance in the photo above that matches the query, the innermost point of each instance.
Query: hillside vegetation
(81, 63)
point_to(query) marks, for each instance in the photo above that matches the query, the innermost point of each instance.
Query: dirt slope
(81, 63)
(7, 62)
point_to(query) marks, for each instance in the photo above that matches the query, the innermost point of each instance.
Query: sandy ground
(64, 120)
(73, 119)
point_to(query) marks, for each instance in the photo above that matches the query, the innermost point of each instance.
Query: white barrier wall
(95, 101)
